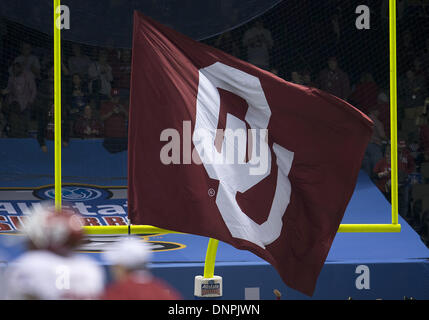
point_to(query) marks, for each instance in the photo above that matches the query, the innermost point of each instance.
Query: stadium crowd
(318, 46)
(354, 66)
(94, 96)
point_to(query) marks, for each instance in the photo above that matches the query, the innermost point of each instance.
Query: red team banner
(223, 149)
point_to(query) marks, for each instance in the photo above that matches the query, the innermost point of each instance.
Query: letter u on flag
(223, 149)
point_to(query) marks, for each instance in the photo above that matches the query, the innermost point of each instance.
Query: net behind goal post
(304, 34)
(279, 64)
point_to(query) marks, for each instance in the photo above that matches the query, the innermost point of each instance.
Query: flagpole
(393, 112)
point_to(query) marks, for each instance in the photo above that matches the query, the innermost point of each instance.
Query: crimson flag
(223, 149)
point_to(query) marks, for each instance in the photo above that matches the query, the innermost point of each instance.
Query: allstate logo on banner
(74, 193)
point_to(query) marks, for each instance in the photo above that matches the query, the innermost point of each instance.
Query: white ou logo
(235, 178)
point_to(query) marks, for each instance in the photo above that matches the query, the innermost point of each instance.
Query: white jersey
(47, 276)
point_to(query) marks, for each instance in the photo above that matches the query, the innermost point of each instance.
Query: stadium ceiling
(109, 22)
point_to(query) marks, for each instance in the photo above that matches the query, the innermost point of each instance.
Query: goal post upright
(57, 103)
(213, 244)
(393, 111)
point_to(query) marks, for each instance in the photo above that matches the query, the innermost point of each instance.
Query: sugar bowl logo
(100, 243)
(73, 193)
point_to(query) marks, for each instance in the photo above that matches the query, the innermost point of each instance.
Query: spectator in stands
(122, 74)
(333, 80)
(48, 62)
(258, 43)
(306, 78)
(418, 68)
(100, 75)
(2, 120)
(79, 97)
(275, 71)
(413, 144)
(295, 77)
(384, 111)
(405, 160)
(424, 136)
(88, 126)
(21, 92)
(406, 166)
(28, 61)
(364, 97)
(114, 115)
(3, 34)
(114, 55)
(131, 278)
(51, 269)
(79, 63)
(412, 90)
(424, 55)
(382, 173)
(45, 128)
(44, 106)
(424, 228)
(228, 44)
(374, 151)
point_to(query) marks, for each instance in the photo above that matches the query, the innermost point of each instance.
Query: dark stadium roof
(109, 22)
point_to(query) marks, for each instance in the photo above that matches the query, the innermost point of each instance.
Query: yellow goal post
(394, 226)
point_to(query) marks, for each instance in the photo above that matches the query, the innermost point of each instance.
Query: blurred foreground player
(50, 270)
(132, 280)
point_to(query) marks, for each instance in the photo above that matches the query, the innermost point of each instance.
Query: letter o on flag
(235, 178)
